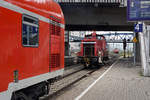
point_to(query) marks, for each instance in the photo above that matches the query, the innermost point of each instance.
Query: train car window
(24, 34)
(30, 31)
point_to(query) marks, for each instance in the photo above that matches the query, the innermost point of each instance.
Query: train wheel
(97, 64)
(47, 89)
(20, 96)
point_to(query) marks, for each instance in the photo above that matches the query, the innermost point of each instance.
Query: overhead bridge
(92, 3)
(100, 15)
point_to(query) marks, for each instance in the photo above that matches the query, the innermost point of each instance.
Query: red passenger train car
(93, 50)
(32, 47)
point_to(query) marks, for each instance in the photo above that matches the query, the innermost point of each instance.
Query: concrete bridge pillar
(67, 43)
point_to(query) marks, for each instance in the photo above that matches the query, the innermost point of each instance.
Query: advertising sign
(138, 10)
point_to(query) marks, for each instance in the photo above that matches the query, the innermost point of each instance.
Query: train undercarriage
(92, 61)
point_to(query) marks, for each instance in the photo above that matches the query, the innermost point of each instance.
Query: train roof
(45, 8)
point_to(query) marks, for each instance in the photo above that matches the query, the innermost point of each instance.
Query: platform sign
(138, 10)
(138, 27)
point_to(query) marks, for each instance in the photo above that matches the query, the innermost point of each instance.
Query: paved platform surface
(122, 82)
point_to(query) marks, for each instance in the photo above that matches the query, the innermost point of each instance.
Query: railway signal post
(124, 46)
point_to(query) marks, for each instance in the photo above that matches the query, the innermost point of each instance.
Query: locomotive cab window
(30, 31)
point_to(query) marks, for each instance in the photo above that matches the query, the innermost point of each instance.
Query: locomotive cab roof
(94, 35)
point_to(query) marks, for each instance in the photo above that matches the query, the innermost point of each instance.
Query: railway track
(70, 77)
(67, 80)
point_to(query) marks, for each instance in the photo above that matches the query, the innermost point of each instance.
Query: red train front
(93, 50)
(32, 47)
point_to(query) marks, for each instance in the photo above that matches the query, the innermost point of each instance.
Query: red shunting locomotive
(93, 50)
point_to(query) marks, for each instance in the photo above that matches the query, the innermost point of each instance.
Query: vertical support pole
(134, 50)
(69, 43)
(128, 49)
(148, 29)
(143, 51)
(124, 53)
(66, 43)
(124, 46)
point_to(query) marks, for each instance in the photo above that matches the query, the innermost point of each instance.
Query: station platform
(122, 81)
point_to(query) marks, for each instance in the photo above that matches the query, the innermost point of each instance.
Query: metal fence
(121, 2)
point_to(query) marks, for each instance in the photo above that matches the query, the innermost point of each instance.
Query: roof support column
(143, 46)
